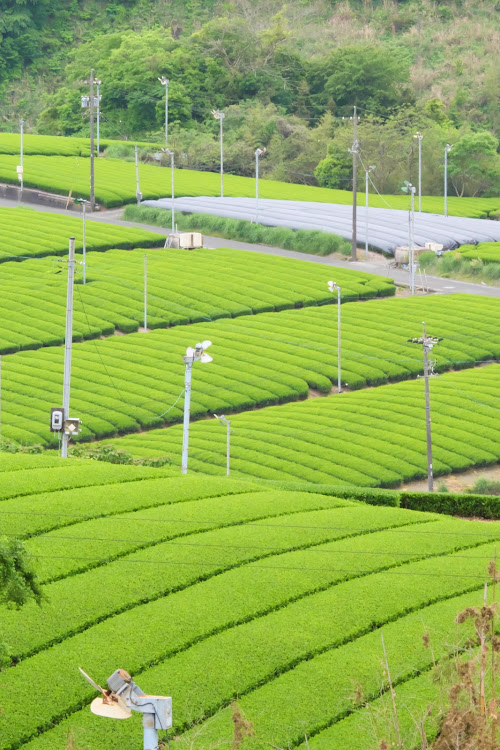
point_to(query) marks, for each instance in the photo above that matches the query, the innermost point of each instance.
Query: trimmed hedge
(115, 185)
(305, 241)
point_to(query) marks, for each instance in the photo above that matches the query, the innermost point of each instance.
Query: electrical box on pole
(57, 419)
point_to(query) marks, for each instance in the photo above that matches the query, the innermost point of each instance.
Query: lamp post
(332, 286)
(192, 355)
(367, 172)
(220, 117)
(164, 82)
(258, 152)
(419, 137)
(447, 150)
(409, 188)
(222, 420)
(83, 204)
(171, 154)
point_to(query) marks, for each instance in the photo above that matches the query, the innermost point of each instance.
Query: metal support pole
(228, 449)
(84, 249)
(0, 397)
(221, 118)
(137, 185)
(420, 174)
(447, 149)
(430, 478)
(354, 183)
(150, 733)
(187, 406)
(339, 369)
(173, 189)
(257, 185)
(92, 154)
(98, 83)
(166, 113)
(68, 342)
(21, 129)
(145, 293)
(411, 244)
(366, 211)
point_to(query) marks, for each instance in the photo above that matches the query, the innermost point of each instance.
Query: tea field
(208, 588)
(366, 438)
(115, 185)
(26, 233)
(489, 252)
(127, 383)
(211, 284)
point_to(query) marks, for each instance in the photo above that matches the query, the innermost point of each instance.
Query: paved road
(434, 283)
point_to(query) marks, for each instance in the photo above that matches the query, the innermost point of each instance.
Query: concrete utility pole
(138, 193)
(355, 145)
(220, 117)
(92, 155)
(428, 342)
(447, 150)
(68, 343)
(419, 137)
(164, 82)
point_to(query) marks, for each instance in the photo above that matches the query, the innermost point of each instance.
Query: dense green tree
(18, 582)
(474, 164)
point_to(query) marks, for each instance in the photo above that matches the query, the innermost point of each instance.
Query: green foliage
(476, 504)
(315, 242)
(486, 487)
(488, 252)
(335, 169)
(112, 455)
(368, 438)
(18, 581)
(474, 164)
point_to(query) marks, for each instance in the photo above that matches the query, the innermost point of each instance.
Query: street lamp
(20, 169)
(222, 420)
(171, 154)
(409, 188)
(258, 152)
(447, 150)
(419, 137)
(164, 82)
(367, 172)
(192, 355)
(332, 286)
(220, 117)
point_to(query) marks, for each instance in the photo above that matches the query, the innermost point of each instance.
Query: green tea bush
(370, 438)
(115, 184)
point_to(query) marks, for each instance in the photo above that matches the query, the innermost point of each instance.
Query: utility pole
(419, 137)
(355, 145)
(164, 82)
(138, 193)
(410, 189)
(172, 185)
(428, 342)
(68, 343)
(447, 150)
(21, 171)
(92, 155)
(258, 152)
(220, 116)
(145, 293)
(367, 176)
(98, 99)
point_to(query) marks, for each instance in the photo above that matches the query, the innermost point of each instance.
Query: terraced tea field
(489, 252)
(26, 233)
(115, 185)
(126, 383)
(209, 588)
(366, 438)
(33, 293)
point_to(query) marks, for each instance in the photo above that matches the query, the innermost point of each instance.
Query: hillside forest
(286, 76)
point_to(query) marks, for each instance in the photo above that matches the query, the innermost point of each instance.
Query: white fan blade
(190, 351)
(206, 358)
(206, 344)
